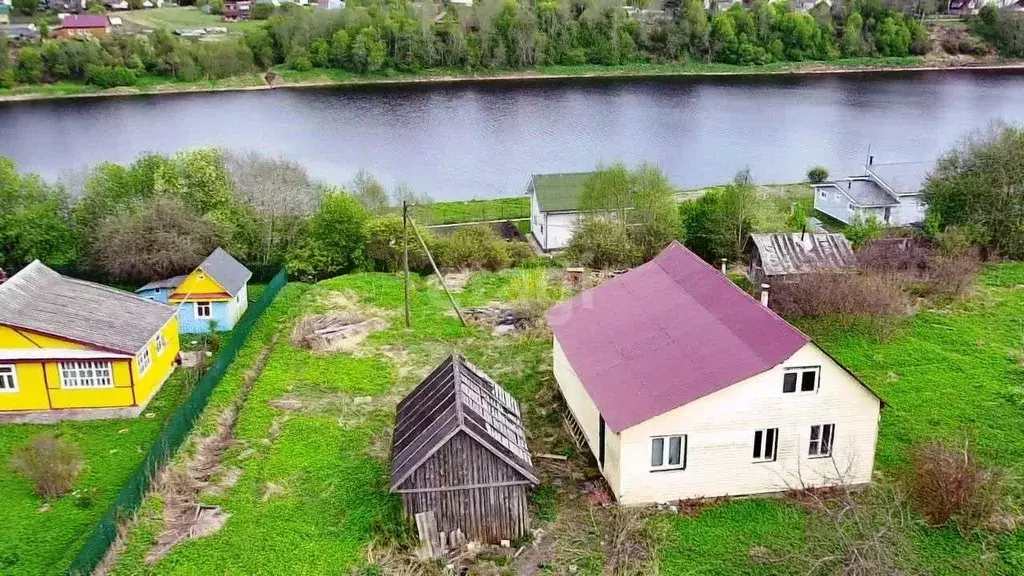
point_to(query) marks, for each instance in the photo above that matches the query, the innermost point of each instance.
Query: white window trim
(209, 304)
(97, 365)
(799, 371)
(683, 445)
(14, 379)
(144, 353)
(160, 344)
(775, 445)
(814, 446)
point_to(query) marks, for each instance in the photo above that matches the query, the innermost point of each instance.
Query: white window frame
(160, 343)
(102, 374)
(8, 378)
(823, 194)
(144, 360)
(800, 371)
(209, 306)
(815, 445)
(760, 445)
(666, 443)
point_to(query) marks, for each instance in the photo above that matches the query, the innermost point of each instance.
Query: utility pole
(405, 258)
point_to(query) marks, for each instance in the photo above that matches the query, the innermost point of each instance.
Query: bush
(261, 11)
(472, 247)
(817, 174)
(948, 483)
(944, 270)
(877, 299)
(334, 241)
(107, 77)
(520, 253)
(384, 245)
(862, 230)
(601, 243)
(51, 464)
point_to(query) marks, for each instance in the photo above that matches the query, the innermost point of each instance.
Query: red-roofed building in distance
(95, 25)
(684, 386)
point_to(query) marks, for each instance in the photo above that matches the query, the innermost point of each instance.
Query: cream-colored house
(686, 387)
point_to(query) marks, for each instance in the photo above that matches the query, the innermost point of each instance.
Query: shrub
(862, 230)
(946, 269)
(472, 247)
(531, 293)
(817, 174)
(874, 298)
(110, 77)
(948, 483)
(334, 241)
(51, 464)
(520, 253)
(261, 11)
(384, 245)
(601, 243)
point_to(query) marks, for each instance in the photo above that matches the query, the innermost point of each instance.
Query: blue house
(213, 296)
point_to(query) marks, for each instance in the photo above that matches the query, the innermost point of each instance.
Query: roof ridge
(677, 245)
(19, 276)
(112, 290)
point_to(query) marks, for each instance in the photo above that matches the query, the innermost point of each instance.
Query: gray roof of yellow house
(559, 192)
(41, 300)
(227, 271)
(799, 253)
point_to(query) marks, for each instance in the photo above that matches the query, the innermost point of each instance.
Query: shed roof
(902, 177)
(456, 397)
(227, 271)
(559, 192)
(165, 283)
(800, 253)
(665, 334)
(85, 21)
(41, 300)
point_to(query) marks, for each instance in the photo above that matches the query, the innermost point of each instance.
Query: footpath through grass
(312, 441)
(38, 538)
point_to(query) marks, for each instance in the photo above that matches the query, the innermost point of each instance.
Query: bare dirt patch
(455, 281)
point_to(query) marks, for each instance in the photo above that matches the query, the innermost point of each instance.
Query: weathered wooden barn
(459, 455)
(783, 256)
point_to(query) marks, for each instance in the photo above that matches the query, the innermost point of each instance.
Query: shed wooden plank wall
(495, 509)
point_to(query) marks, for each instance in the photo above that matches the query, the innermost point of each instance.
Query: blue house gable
(200, 317)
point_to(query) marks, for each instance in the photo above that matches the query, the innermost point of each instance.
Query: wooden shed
(782, 257)
(459, 455)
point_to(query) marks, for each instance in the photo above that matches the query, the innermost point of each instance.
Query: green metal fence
(174, 433)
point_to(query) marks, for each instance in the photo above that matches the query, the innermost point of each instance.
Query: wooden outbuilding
(459, 458)
(784, 256)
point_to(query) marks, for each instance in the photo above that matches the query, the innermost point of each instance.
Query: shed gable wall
(720, 431)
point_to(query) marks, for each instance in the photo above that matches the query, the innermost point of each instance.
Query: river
(461, 141)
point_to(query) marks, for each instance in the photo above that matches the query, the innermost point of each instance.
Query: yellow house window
(204, 310)
(8, 378)
(144, 360)
(86, 375)
(160, 344)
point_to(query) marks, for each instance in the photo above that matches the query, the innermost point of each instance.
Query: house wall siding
(157, 294)
(834, 203)
(191, 325)
(720, 431)
(537, 221)
(588, 417)
(161, 366)
(560, 228)
(910, 211)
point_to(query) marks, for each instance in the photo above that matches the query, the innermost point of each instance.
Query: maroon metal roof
(665, 334)
(85, 21)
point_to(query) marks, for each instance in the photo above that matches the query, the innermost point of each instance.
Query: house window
(144, 360)
(822, 437)
(668, 452)
(160, 344)
(204, 309)
(86, 375)
(8, 378)
(802, 379)
(823, 194)
(766, 445)
(851, 207)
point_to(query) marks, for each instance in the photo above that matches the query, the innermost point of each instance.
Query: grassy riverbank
(287, 78)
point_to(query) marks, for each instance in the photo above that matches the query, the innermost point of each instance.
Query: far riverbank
(321, 78)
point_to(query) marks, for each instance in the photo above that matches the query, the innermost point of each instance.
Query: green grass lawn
(42, 538)
(181, 17)
(471, 211)
(312, 494)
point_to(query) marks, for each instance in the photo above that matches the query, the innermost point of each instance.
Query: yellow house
(71, 349)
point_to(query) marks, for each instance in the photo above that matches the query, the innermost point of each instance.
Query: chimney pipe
(764, 295)
(871, 160)
(849, 184)
(724, 261)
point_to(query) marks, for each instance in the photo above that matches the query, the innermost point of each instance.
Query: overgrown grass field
(42, 538)
(171, 17)
(312, 440)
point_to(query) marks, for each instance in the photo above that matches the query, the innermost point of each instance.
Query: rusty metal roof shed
(458, 397)
(799, 253)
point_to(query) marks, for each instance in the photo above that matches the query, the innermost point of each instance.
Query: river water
(461, 141)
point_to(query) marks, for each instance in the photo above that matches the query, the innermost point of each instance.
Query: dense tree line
(371, 36)
(1003, 29)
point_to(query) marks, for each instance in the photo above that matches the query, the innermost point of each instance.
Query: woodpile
(333, 331)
